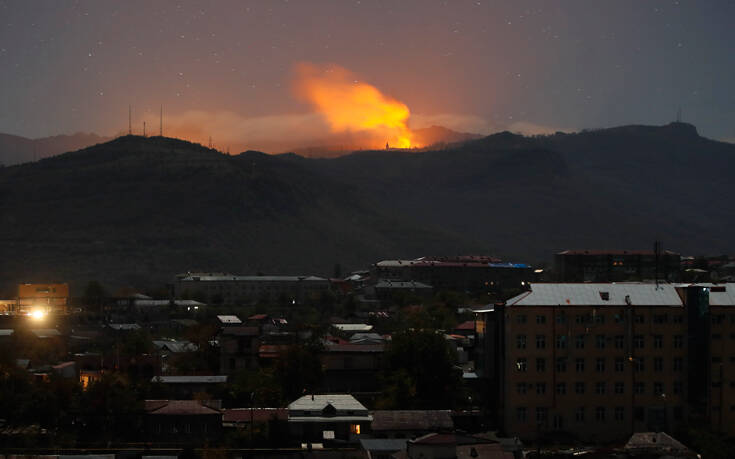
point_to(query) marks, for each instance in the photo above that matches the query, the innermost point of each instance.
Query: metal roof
(190, 379)
(353, 327)
(317, 402)
(386, 283)
(719, 298)
(228, 278)
(225, 319)
(641, 294)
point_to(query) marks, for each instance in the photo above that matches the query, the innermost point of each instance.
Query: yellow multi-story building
(597, 361)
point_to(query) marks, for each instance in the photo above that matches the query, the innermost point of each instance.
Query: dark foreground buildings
(601, 361)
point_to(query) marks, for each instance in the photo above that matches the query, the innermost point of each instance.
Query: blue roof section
(508, 265)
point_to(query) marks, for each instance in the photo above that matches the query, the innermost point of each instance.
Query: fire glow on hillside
(349, 105)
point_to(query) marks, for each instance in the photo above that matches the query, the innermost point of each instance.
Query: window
(580, 318)
(718, 318)
(619, 413)
(579, 414)
(598, 319)
(355, 429)
(561, 318)
(561, 364)
(605, 296)
(579, 342)
(600, 414)
(639, 388)
(542, 414)
(640, 364)
(619, 318)
(521, 414)
(600, 388)
(521, 388)
(558, 422)
(521, 365)
(540, 319)
(658, 388)
(619, 387)
(638, 341)
(658, 341)
(579, 387)
(540, 388)
(658, 364)
(619, 364)
(678, 364)
(561, 388)
(521, 319)
(579, 364)
(619, 341)
(561, 342)
(678, 341)
(520, 341)
(660, 318)
(600, 341)
(677, 318)
(540, 365)
(600, 365)
(677, 387)
(540, 341)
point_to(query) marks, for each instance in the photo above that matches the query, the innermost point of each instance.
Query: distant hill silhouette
(16, 150)
(137, 210)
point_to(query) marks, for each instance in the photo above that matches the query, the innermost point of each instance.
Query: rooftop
(229, 319)
(256, 414)
(190, 379)
(353, 327)
(432, 420)
(219, 277)
(600, 294)
(178, 407)
(317, 402)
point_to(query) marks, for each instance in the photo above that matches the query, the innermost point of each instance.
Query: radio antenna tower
(130, 120)
(210, 141)
(160, 128)
(143, 128)
(678, 115)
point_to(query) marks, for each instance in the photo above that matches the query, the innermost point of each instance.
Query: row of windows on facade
(601, 341)
(601, 388)
(599, 318)
(639, 364)
(619, 318)
(601, 413)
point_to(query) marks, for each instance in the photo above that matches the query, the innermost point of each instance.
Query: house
(190, 422)
(349, 367)
(239, 347)
(410, 423)
(338, 418)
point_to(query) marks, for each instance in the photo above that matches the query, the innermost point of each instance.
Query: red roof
(469, 325)
(178, 407)
(614, 252)
(258, 317)
(258, 414)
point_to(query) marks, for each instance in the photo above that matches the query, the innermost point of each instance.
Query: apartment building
(597, 361)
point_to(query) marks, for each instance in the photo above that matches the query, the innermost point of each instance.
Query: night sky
(227, 67)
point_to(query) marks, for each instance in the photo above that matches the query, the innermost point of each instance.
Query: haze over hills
(137, 210)
(16, 149)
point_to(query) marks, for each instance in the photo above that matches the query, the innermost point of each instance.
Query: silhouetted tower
(143, 128)
(386, 145)
(130, 120)
(210, 141)
(678, 115)
(160, 127)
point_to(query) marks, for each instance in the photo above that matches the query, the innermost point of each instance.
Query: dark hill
(16, 150)
(137, 210)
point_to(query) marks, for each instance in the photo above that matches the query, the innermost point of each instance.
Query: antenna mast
(160, 128)
(678, 115)
(143, 128)
(130, 120)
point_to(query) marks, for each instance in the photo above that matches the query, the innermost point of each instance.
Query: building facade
(616, 265)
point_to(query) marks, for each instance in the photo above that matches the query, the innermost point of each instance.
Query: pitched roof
(178, 407)
(320, 401)
(229, 319)
(468, 325)
(594, 294)
(412, 420)
(212, 379)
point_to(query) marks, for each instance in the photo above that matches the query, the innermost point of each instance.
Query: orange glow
(349, 105)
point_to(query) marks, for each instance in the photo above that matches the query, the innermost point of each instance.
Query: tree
(299, 370)
(419, 371)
